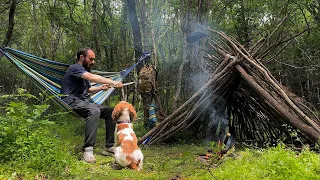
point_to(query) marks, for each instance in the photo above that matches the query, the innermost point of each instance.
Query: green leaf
(30, 120)
(47, 122)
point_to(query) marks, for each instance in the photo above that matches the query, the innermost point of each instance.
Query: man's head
(86, 57)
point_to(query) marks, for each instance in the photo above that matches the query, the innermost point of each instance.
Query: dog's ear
(133, 113)
(115, 115)
(116, 112)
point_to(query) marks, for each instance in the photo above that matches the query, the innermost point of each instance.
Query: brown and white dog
(126, 151)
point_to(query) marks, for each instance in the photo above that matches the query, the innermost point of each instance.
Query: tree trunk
(39, 44)
(135, 30)
(95, 30)
(85, 6)
(243, 30)
(11, 22)
(137, 44)
(124, 31)
(155, 57)
(185, 28)
(144, 24)
(110, 29)
(179, 77)
(55, 31)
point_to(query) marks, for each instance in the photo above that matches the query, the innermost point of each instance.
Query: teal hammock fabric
(48, 74)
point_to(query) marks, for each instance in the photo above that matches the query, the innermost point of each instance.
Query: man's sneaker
(107, 151)
(88, 155)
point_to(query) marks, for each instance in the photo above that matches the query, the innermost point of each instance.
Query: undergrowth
(27, 144)
(35, 144)
(271, 163)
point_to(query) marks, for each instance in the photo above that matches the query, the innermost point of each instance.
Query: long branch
(282, 93)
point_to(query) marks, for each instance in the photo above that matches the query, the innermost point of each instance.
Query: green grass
(271, 163)
(160, 161)
(177, 160)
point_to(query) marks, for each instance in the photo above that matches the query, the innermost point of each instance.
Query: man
(76, 86)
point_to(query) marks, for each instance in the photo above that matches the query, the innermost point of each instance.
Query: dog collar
(126, 121)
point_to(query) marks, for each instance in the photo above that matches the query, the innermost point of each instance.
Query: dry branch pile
(260, 108)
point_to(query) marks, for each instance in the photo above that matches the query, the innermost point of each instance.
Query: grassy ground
(176, 160)
(161, 162)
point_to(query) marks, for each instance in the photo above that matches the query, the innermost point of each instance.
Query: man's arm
(98, 88)
(101, 80)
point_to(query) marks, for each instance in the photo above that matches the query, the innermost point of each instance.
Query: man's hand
(118, 84)
(105, 87)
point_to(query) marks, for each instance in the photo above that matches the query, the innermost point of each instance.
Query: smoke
(200, 68)
(215, 117)
(217, 126)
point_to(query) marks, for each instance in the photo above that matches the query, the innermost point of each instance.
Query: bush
(26, 140)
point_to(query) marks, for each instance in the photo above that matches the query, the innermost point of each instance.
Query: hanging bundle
(147, 79)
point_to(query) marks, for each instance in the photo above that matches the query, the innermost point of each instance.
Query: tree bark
(124, 31)
(11, 22)
(179, 77)
(185, 28)
(135, 31)
(55, 31)
(144, 24)
(39, 44)
(95, 30)
(243, 31)
(155, 57)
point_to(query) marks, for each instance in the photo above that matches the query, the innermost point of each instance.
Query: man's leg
(91, 113)
(106, 113)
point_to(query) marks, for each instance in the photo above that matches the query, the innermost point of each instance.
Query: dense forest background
(120, 30)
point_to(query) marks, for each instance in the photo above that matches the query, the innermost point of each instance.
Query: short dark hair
(82, 51)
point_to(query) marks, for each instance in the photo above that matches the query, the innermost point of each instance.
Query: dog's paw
(116, 166)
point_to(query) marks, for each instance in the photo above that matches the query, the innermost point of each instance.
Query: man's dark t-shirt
(73, 84)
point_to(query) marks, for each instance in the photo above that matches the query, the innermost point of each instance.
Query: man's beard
(86, 66)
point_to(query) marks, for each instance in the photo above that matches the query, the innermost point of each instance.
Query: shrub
(26, 140)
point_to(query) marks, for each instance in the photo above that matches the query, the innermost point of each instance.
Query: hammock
(48, 74)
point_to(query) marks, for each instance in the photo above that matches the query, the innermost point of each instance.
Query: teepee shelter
(260, 108)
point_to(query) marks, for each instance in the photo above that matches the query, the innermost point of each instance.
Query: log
(285, 114)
